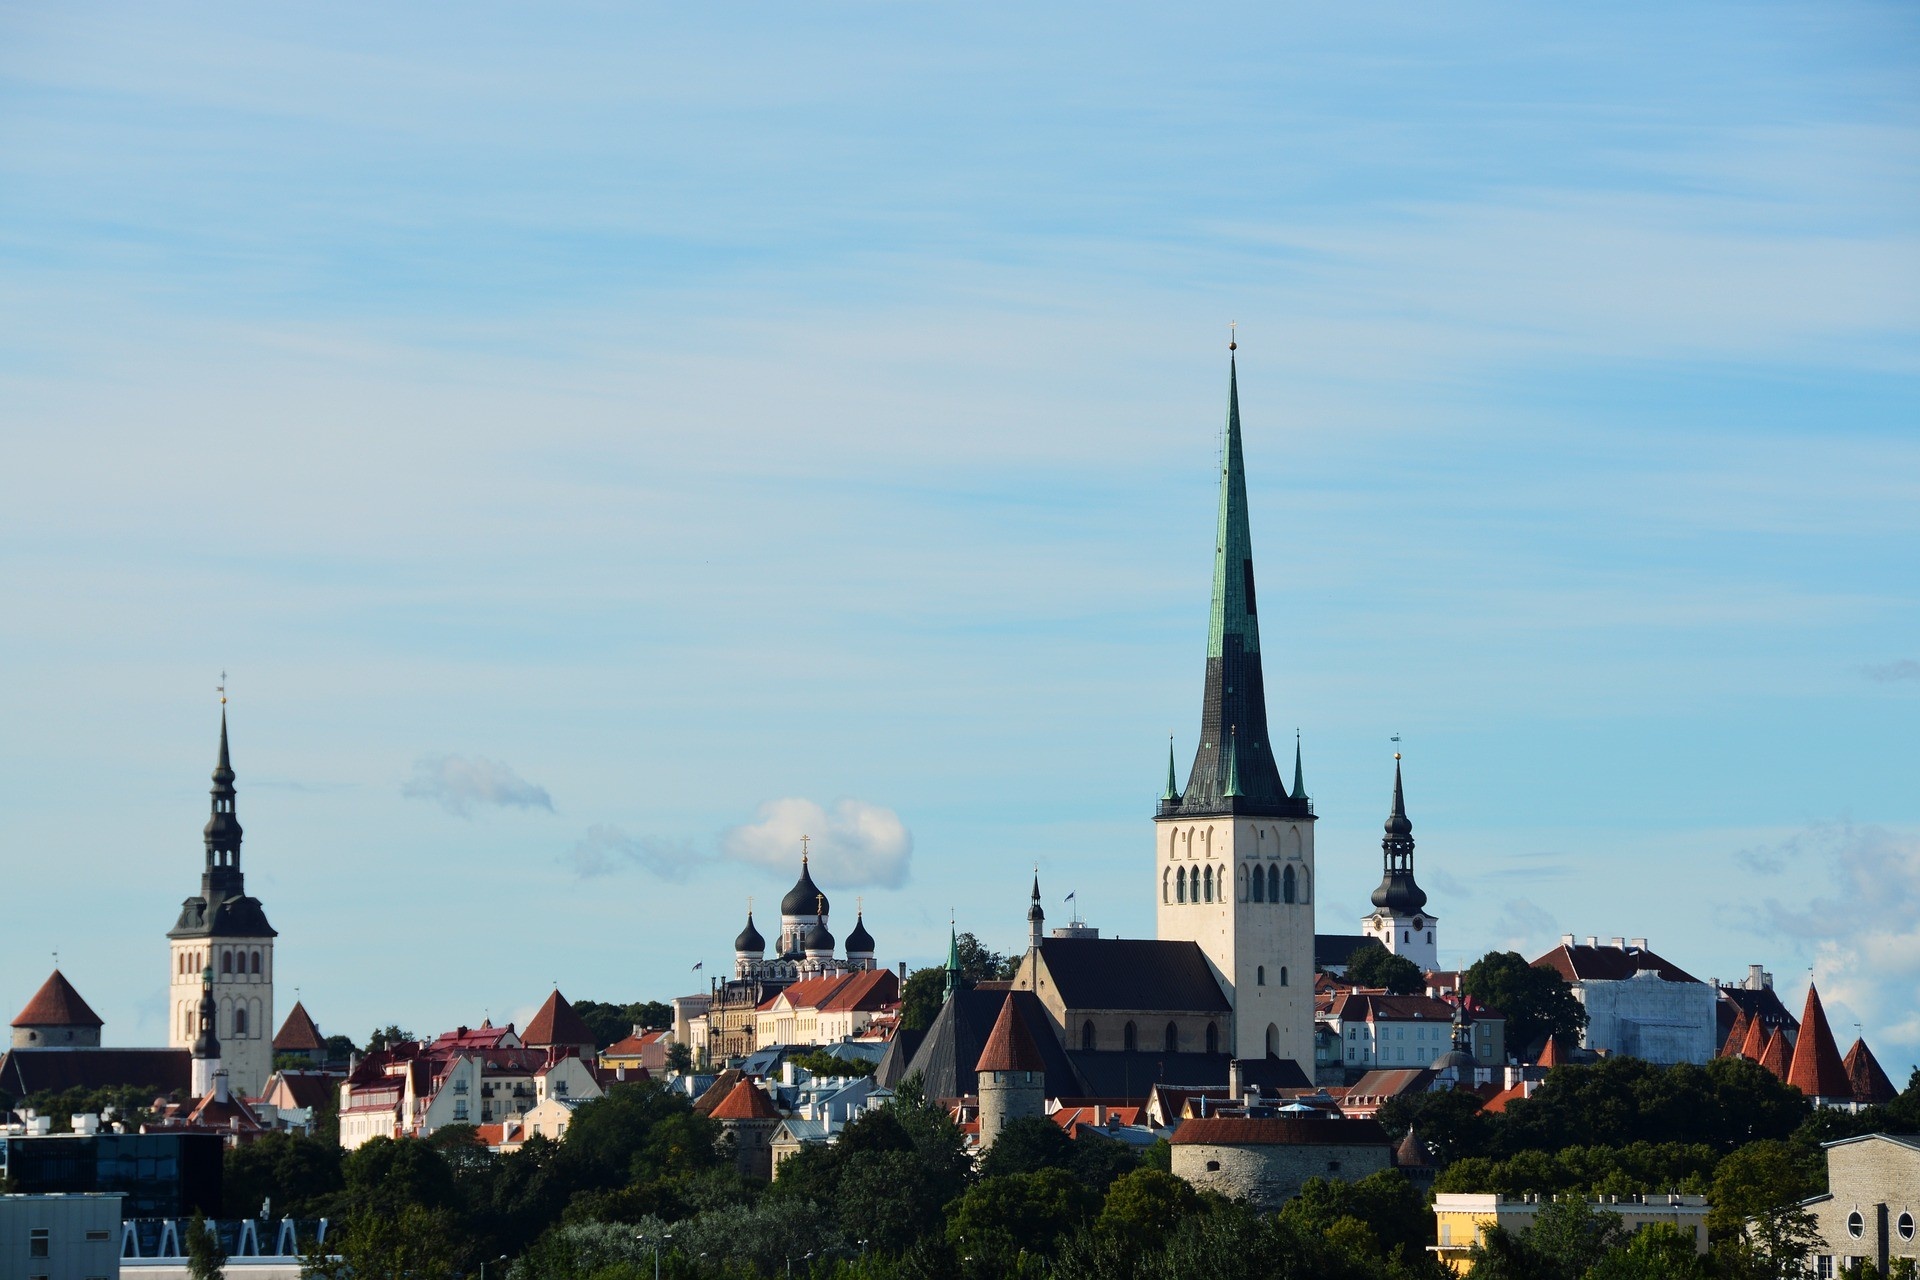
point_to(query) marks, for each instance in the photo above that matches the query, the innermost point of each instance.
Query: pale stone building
(1267, 1159)
(1636, 1002)
(1871, 1211)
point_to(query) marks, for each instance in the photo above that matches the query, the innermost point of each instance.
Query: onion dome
(1397, 892)
(750, 942)
(817, 940)
(805, 898)
(860, 942)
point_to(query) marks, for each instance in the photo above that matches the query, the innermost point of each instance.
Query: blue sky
(599, 441)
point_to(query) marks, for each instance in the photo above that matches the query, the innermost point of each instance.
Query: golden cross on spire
(221, 688)
(803, 847)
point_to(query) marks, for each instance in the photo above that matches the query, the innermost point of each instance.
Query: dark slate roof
(57, 1004)
(1131, 1074)
(1578, 963)
(900, 1050)
(1764, 1004)
(1272, 1074)
(227, 918)
(948, 1056)
(805, 898)
(1132, 973)
(29, 1071)
(1335, 950)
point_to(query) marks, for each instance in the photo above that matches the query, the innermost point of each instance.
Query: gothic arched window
(1260, 976)
(1209, 884)
(1287, 887)
(226, 962)
(240, 1021)
(1273, 883)
(256, 962)
(1166, 892)
(1130, 1039)
(1259, 885)
(1086, 1034)
(1273, 1041)
(1173, 1038)
(1213, 1037)
(1283, 975)
(1180, 882)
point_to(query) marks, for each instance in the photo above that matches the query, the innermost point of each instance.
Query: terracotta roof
(233, 1114)
(1817, 1070)
(631, 1046)
(1383, 1083)
(556, 1023)
(57, 1004)
(1609, 964)
(1755, 1043)
(1498, 1102)
(1776, 1057)
(1378, 1006)
(305, 1088)
(1550, 1055)
(299, 1033)
(1870, 1084)
(1271, 1131)
(866, 989)
(717, 1092)
(1010, 1045)
(1735, 1037)
(746, 1102)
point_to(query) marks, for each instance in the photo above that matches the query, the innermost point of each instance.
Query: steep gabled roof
(29, 1071)
(299, 1033)
(1551, 1056)
(57, 1004)
(1578, 963)
(1817, 1070)
(745, 1102)
(1132, 973)
(947, 1055)
(1754, 1047)
(557, 1023)
(1010, 1045)
(717, 1092)
(1870, 1084)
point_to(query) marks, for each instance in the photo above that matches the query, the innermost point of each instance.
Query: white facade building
(60, 1237)
(1637, 1003)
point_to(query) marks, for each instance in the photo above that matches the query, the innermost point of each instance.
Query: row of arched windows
(1130, 1037)
(232, 960)
(1273, 883)
(1285, 844)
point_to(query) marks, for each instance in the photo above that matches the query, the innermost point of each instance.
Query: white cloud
(606, 849)
(1525, 927)
(852, 844)
(1866, 953)
(459, 784)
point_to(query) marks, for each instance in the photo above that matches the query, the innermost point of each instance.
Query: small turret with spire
(1400, 919)
(1036, 914)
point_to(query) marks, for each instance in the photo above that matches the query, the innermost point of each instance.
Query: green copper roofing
(1233, 608)
(1232, 788)
(1172, 793)
(953, 959)
(1299, 779)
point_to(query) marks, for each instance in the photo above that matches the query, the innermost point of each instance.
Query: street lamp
(485, 1261)
(656, 1242)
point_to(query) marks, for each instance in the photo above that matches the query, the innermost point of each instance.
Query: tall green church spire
(953, 959)
(1172, 794)
(1243, 778)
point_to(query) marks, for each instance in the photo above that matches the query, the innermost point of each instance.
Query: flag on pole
(1069, 897)
(701, 965)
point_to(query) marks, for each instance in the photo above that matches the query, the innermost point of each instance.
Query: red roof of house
(865, 989)
(299, 1033)
(1609, 964)
(746, 1102)
(1870, 1084)
(1817, 1070)
(1776, 1057)
(1498, 1102)
(305, 1088)
(57, 1004)
(1010, 1045)
(1736, 1037)
(631, 1046)
(717, 1092)
(556, 1023)
(1377, 1006)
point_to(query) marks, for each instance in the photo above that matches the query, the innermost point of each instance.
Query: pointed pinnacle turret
(1398, 893)
(1299, 776)
(953, 960)
(1397, 824)
(1172, 794)
(222, 832)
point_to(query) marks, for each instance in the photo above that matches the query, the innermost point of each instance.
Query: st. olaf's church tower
(1234, 847)
(223, 940)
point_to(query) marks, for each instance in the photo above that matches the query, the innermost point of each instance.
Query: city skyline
(570, 561)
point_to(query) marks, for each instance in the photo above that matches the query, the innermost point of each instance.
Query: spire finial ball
(1396, 755)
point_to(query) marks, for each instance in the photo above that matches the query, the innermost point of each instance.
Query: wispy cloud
(853, 843)
(461, 784)
(1892, 672)
(1866, 952)
(1523, 926)
(607, 849)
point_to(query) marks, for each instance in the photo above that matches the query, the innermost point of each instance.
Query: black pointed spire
(1242, 777)
(223, 877)
(1397, 892)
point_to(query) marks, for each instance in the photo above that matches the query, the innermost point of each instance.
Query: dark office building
(162, 1175)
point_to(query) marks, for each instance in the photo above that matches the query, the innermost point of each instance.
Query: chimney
(1619, 944)
(1592, 941)
(1235, 1080)
(903, 975)
(1639, 944)
(1566, 939)
(220, 1085)
(1758, 979)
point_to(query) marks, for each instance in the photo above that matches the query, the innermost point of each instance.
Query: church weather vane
(221, 688)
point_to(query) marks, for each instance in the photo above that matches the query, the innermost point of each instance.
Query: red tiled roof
(1609, 964)
(1870, 1084)
(631, 1046)
(1498, 1102)
(717, 1092)
(1268, 1131)
(1010, 1045)
(1775, 1056)
(746, 1102)
(1754, 1046)
(1550, 1056)
(1817, 1070)
(1390, 1083)
(299, 1033)
(865, 989)
(556, 1023)
(1736, 1037)
(57, 1004)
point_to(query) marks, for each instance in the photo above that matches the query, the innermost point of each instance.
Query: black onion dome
(860, 942)
(750, 939)
(816, 938)
(1399, 894)
(805, 898)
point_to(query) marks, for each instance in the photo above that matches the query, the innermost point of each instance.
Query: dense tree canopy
(1535, 1000)
(1375, 966)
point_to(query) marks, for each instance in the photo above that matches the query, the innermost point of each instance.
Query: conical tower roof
(1010, 1046)
(299, 1033)
(1550, 1056)
(556, 1024)
(1735, 1036)
(1871, 1087)
(1756, 1042)
(1817, 1070)
(746, 1101)
(57, 1004)
(1776, 1057)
